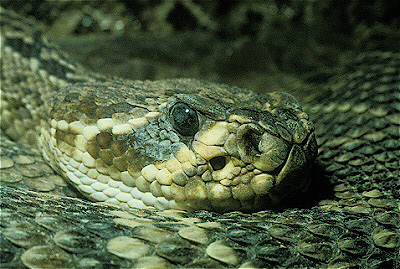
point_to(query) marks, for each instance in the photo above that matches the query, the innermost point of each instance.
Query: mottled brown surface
(357, 126)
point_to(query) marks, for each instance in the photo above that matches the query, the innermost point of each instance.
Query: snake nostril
(217, 163)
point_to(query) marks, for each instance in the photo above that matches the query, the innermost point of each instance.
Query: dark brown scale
(131, 155)
(93, 148)
(117, 148)
(70, 139)
(133, 169)
(106, 156)
(90, 109)
(104, 140)
(60, 135)
(102, 167)
(120, 163)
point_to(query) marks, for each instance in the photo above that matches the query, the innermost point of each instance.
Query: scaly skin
(357, 128)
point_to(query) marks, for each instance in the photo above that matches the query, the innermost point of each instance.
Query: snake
(100, 171)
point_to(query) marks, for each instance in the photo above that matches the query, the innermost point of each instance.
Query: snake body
(186, 144)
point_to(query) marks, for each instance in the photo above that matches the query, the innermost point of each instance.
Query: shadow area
(319, 189)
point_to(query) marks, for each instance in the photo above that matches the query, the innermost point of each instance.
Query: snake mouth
(293, 176)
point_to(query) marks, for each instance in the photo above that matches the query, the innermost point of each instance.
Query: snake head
(249, 155)
(183, 144)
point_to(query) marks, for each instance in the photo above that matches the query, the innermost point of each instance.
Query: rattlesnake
(190, 144)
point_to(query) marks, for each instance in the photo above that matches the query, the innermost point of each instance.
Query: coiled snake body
(193, 145)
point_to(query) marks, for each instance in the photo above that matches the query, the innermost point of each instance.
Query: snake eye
(185, 119)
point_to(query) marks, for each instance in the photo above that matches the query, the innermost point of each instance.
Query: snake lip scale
(162, 156)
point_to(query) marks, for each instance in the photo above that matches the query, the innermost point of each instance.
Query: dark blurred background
(260, 45)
